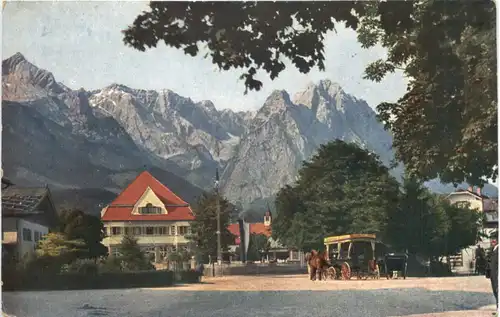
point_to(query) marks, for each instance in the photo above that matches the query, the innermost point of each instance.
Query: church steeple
(267, 217)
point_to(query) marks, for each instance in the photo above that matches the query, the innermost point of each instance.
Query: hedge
(189, 276)
(77, 281)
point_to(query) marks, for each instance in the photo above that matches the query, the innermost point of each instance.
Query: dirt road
(476, 284)
(301, 282)
(269, 296)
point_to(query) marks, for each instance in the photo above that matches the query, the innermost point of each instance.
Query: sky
(81, 44)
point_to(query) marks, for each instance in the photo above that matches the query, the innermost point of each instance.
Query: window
(38, 236)
(172, 230)
(27, 235)
(128, 231)
(150, 231)
(183, 230)
(463, 204)
(116, 231)
(137, 231)
(149, 209)
(457, 260)
(161, 231)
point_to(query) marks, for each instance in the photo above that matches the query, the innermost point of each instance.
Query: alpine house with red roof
(151, 212)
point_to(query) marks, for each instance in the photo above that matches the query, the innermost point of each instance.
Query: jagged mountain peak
(324, 87)
(277, 101)
(22, 73)
(278, 95)
(208, 105)
(116, 86)
(15, 59)
(330, 87)
(326, 97)
(258, 151)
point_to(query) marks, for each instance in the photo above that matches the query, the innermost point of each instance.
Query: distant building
(486, 206)
(277, 251)
(152, 213)
(27, 215)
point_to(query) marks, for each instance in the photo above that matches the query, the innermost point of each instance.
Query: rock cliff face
(52, 135)
(284, 133)
(100, 139)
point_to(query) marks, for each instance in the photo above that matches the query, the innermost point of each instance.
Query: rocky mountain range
(99, 140)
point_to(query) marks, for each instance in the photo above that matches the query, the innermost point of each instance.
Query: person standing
(200, 268)
(493, 270)
(480, 261)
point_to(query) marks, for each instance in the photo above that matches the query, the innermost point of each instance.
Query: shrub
(84, 266)
(190, 276)
(110, 264)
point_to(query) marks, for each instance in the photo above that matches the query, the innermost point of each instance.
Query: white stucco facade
(466, 258)
(23, 235)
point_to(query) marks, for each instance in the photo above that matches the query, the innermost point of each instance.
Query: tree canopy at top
(444, 126)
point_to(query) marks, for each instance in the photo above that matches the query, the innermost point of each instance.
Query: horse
(317, 264)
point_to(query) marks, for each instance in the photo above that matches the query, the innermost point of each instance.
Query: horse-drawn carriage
(353, 255)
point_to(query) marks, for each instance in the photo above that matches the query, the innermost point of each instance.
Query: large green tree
(417, 226)
(204, 227)
(76, 225)
(342, 189)
(131, 257)
(428, 225)
(445, 125)
(258, 247)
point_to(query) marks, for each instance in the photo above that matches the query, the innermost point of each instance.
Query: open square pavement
(278, 295)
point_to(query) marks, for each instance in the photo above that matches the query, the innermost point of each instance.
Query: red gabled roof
(234, 228)
(260, 228)
(121, 208)
(255, 228)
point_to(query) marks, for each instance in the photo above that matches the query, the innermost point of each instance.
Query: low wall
(253, 269)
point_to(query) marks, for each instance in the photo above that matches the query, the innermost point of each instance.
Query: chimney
(478, 190)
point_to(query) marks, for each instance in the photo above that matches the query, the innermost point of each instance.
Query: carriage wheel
(331, 272)
(345, 271)
(324, 275)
